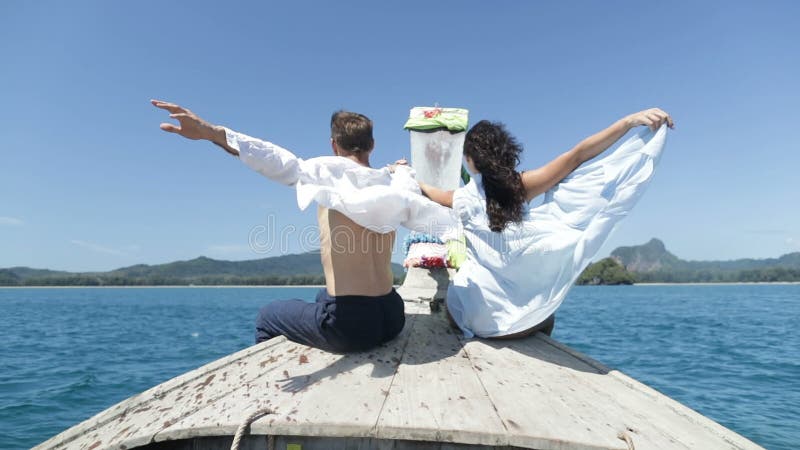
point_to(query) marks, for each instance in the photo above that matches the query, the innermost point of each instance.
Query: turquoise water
(729, 352)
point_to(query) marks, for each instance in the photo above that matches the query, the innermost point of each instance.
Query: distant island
(652, 263)
(648, 263)
(286, 270)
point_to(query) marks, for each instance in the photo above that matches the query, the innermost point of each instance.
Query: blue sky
(89, 182)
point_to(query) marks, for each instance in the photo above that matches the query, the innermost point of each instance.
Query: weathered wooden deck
(426, 389)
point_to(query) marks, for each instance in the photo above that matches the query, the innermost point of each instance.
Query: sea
(731, 352)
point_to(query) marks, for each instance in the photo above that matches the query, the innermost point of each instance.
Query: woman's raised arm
(539, 181)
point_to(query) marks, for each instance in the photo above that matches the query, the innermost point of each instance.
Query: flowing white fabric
(376, 199)
(515, 279)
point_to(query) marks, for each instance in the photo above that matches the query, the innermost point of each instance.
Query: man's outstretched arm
(266, 158)
(193, 127)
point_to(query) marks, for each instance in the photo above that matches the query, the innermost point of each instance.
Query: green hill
(606, 271)
(653, 263)
(647, 263)
(302, 268)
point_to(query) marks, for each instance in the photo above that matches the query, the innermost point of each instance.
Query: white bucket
(437, 157)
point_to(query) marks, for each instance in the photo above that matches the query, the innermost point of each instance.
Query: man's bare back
(356, 261)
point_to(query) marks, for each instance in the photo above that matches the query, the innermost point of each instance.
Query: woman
(522, 260)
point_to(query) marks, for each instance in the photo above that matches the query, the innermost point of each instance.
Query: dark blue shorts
(347, 323)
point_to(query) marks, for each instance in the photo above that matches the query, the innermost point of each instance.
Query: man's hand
(399, 162)
(192, 126)
(653, 118)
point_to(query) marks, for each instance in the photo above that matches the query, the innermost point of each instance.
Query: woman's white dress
(514, 279)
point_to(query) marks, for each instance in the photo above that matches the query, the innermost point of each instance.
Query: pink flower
(431, 113)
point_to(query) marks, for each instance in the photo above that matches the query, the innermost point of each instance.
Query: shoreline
(716, 283)
(261, 286)
(171, 286)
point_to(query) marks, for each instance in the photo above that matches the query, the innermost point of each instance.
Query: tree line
(610, 272)
(209, 280)
(604, 272)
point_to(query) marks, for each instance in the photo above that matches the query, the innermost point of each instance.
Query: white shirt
(376, 199)
(513, 280)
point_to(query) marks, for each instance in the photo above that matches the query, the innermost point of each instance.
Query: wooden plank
(217, 385)
(316, 394)
(311, 443)
(425, 284)
(643, 419)
(708, 426)
(654, 417)
(529, 396)
(125, 419)
(417, 307)
(259, 390)
(583, 385)
(346, 399)
(436, 396)
(321, 443)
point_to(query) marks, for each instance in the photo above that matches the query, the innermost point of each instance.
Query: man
(358, 309)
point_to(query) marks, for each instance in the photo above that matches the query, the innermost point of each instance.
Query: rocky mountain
(645, 258)
(652, 262)
(654, 256)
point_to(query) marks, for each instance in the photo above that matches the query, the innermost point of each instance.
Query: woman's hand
(444, 198)
(653, 118)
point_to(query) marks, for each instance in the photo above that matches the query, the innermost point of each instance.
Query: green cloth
(465, 175)
(456, 252)
(429, 118)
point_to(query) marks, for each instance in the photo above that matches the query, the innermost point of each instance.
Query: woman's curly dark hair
(495, 153)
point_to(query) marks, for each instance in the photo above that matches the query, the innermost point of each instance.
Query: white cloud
(793, 243)
(123, 251)
(11, 221)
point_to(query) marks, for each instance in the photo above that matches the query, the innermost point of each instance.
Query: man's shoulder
(337, 170)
